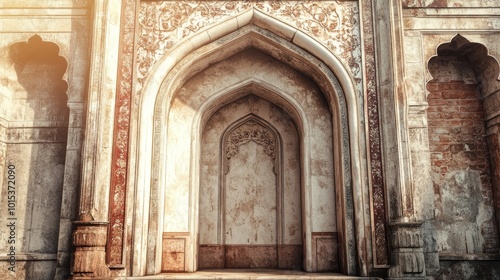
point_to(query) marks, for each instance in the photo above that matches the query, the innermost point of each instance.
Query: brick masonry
(458, 149)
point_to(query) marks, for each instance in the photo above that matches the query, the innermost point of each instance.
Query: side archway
(251, 30)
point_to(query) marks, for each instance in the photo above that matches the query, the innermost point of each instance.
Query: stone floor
(249, 274)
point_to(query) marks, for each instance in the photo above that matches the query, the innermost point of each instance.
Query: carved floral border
(162, 24)
(380, 244)
(118, 185)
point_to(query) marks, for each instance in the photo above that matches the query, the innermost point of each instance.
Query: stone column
(407, 254)
(407, 243)
(90, 234)
(69, 210)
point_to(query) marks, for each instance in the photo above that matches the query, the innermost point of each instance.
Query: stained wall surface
(450, 95)
(44, 60)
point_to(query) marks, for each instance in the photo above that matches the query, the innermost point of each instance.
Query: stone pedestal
(407, 251)
(90, 254)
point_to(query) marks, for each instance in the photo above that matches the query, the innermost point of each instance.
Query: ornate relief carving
(250, 131)
(381, 257)
(162, 24)
(407, 251)
(117, 193)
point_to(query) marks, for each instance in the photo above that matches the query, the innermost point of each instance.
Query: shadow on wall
(36, 146)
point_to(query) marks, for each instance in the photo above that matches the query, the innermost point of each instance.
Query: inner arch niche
(250, 202)
(251, 126)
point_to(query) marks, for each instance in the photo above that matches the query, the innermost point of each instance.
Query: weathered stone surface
(385, 110)
(174, 255)
(89, 239)
(468, 270)
(257, 256)
(407, 251)
(326, 252)
(211, 256)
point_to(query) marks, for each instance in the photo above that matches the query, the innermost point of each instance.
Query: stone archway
(160, 157)
(316, 147)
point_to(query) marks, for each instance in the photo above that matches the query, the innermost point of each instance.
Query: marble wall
(284, 183)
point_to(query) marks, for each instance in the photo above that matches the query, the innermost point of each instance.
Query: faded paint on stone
(250, 197)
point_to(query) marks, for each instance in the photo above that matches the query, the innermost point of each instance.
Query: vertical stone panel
(494, 147)
(257, 210)
(250, 194)
(379, 217)
(326, 253)
(33, 137)
(118, 182)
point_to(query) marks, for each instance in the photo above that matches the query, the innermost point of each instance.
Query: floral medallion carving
(250, 131)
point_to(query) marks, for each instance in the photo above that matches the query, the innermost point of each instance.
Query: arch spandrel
(196, 54)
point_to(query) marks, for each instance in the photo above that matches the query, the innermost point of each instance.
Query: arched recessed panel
(486, 68)
(250, 202)
(337, 93)
(34, 137)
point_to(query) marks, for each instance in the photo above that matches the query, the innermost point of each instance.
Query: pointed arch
(485, 66)
(251, 29)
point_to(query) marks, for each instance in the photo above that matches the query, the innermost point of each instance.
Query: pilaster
(90, 254)
(406, 240)
(493, 139)
(90, 235)
(394, 112)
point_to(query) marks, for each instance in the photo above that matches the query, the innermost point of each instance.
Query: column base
(407, 251)
(90, 254)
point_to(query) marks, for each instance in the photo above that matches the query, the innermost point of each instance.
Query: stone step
(250, 274)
